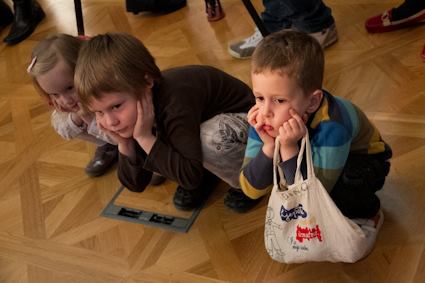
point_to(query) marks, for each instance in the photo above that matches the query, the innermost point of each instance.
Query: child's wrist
(268, 150)
(77, 121)
(288, 152)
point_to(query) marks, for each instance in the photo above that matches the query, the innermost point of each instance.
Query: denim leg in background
(305, 15)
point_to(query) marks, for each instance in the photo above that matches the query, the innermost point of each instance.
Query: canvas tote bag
(303, 223)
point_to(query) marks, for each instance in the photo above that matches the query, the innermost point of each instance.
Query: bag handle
(305, 146)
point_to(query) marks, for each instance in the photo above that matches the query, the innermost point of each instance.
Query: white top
(66, 128)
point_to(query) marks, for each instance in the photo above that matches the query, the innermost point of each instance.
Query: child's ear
(314, 101)
(149, 81)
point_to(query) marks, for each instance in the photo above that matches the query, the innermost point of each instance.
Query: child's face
(275, 93)
(116, 112)
(58, 83)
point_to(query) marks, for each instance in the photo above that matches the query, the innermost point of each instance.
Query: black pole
(257, 20)
(79, 17)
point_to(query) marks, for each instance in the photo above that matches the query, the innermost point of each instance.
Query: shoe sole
(236, 55)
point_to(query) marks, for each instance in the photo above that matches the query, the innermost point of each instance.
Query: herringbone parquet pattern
(50, 228)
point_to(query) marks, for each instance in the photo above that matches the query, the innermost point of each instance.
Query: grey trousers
(224, 139)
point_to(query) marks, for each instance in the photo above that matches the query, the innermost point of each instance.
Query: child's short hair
(293, 53)
(113, 62)
(48, 52)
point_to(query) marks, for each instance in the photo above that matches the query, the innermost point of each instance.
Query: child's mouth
(267, 128)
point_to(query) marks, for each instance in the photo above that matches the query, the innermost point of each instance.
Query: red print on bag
(308, 233)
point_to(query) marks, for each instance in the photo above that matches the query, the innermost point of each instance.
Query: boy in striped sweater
(350, 158)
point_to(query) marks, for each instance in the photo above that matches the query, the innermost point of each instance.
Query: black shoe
(27, 17)
(6, 15)
(237, 201)
(190, 199)
(104, 157)
(155, 6)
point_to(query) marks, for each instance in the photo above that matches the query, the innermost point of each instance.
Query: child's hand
(84, 114)
(290, 133)
(145, 118)
(57, 106)
(256, 121)
(125, 145)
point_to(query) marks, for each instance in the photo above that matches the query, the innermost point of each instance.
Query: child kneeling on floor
(52, 68)
(183, 123)
(349, 156)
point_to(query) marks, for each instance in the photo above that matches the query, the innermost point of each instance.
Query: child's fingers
(139, 110)
(252, 110)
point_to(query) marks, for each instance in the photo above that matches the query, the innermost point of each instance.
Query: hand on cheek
(125, 145)
(252, 115)
(290, 133)
(255, 119)
(145, 119)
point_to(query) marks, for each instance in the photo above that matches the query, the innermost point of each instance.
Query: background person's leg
(27, 15)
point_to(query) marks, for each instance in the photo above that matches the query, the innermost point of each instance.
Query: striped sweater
(338, 128)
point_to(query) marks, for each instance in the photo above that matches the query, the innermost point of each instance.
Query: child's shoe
(237, 201)
(384, 22)
(189, 199)
(104, 157)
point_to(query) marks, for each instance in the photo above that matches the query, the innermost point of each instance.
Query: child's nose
(266, 110)
(111, 120)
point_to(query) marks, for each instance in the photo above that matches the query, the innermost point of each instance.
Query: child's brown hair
(294, 53)
(114, 62)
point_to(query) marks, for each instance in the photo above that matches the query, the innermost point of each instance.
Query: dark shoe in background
(154, 6)
(6, 15)
(237, 201)
(28, 14)
(104, 157)
(214, 10)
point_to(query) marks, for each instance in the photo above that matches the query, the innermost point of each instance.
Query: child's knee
(222, 133)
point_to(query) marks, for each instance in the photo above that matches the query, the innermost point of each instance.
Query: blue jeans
(305, 15)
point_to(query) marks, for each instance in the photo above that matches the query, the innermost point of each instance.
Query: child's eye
(279, 101)
(259, 98)
(71, 87)
(116, 106)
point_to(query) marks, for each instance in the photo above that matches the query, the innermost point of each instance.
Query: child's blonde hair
(294, 53)
(47, 53)
(114, 62)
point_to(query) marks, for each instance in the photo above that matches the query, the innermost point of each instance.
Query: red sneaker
(384, 23)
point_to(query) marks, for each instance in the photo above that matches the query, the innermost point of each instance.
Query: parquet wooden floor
(50, 228)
